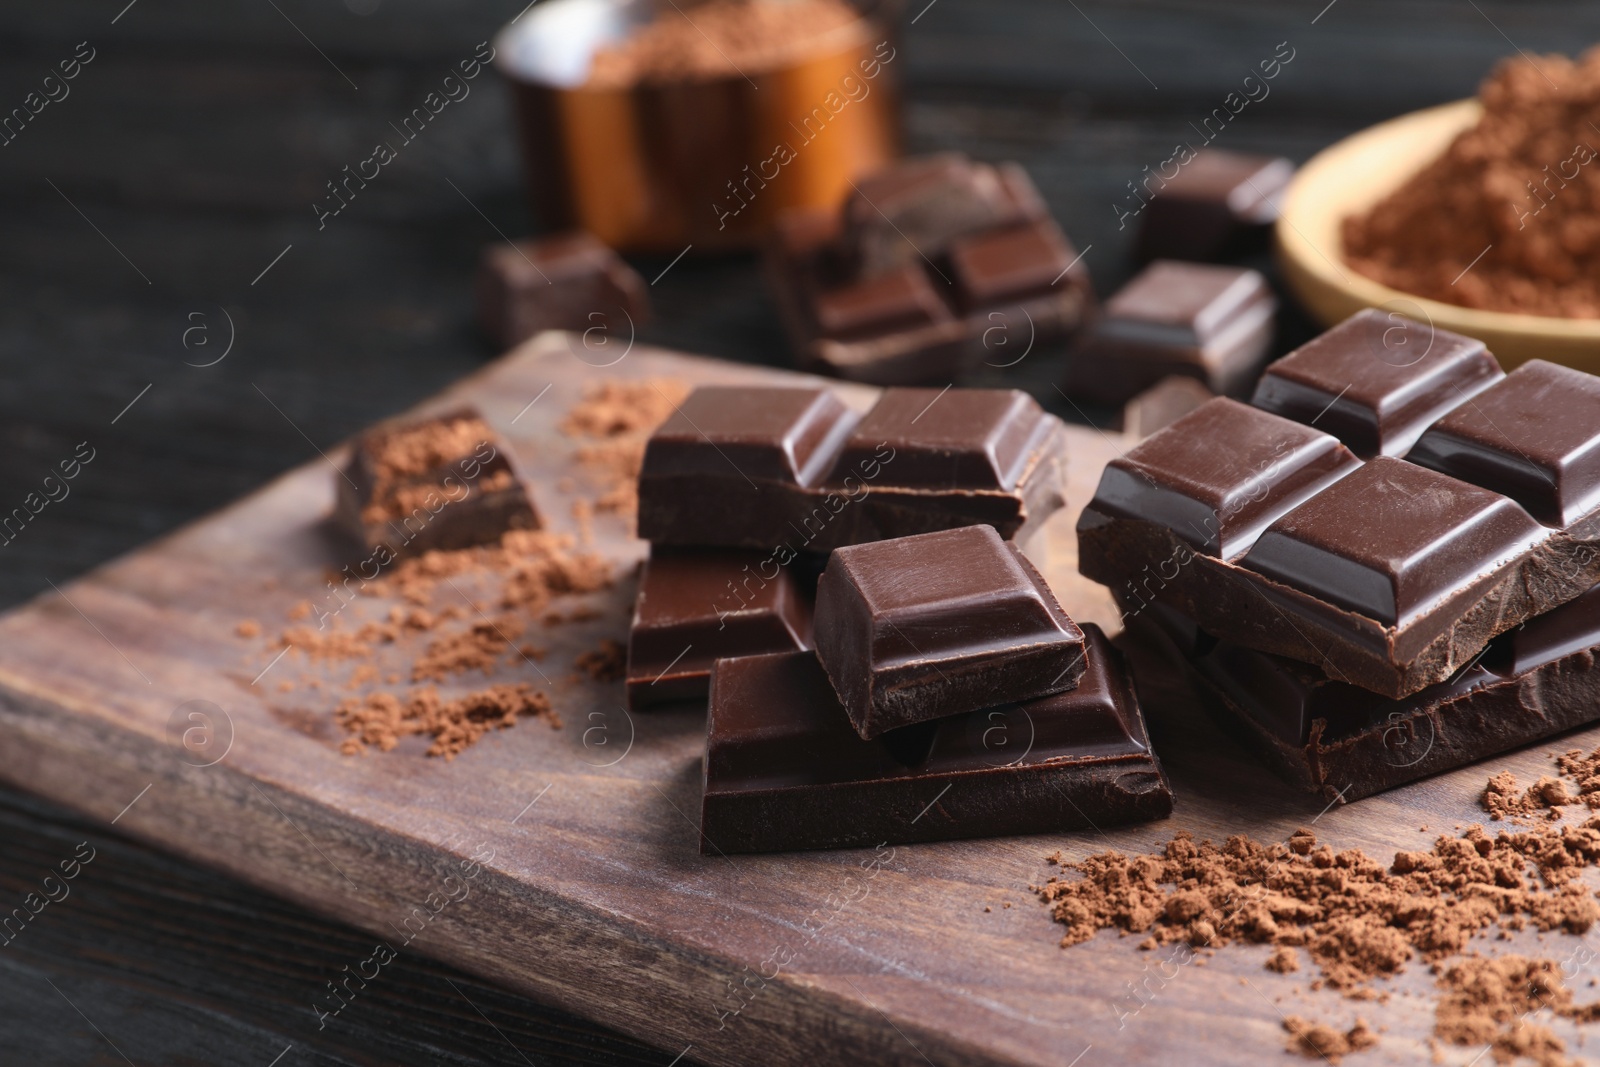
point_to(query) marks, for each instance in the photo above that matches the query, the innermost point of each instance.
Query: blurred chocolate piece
(1213, 324)
(1377, 380)
(764, 467)
(932, 268)
(783, 769)
(696, 606)
(922, 627)
(1220, 204)
(1344, 742)
(566, 282)
(441, 483)
(1163, 404)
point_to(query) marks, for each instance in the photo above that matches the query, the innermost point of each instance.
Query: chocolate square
(1219, 500)
(1394, 541)
(922, 627)
(1218, 204)
(1002, 265)
(909, 213)
(696, 606)
(749, 434)
(568, 281)
(1377, 380)
(897, 299)
(784, 770)
(1210, 323)
(1534, 436)
(444, 482)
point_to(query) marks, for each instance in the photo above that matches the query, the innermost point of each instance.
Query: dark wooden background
(187, 156)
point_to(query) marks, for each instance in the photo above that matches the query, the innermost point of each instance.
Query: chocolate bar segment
(933, 267)
(784, 770)
(1344, 742)
(444, 482)
(1218, 204)
(567, 281)
(918, 628)
(1376, 380)
(1535, 437)
(761, 468)
(697, 606)
(1213, 324)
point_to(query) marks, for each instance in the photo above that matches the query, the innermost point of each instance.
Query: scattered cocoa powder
(1521, 190)
(479, 647)
(615, 419)
(1359, 921)
(722, 38)
(1316, 1040)
(381, 719)
(608, 663)
(248, 628)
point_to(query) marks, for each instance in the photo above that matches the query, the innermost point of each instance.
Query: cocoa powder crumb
(1318, 1040)
(381, 719)
(615, 419)
(608, 663)
(248, 628)
(1490, 1002)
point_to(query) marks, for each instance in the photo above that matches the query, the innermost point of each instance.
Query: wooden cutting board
(565, 863)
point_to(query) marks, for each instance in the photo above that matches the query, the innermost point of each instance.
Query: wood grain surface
(591, 893)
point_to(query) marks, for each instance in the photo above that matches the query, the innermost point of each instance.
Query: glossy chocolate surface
(1377, 380)
(923, 627)
(695, 606)
(931, 268)
(1534, 436)
(1218, 204)
(763, 468)
(784, 770)
(1210, 323)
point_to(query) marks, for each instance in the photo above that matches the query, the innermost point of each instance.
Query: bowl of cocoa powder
(655, 124)
(1480, 216)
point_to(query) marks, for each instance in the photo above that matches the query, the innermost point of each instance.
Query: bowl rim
(1324, 264)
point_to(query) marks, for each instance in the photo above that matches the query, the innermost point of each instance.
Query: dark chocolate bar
(695, 606)
(1388, 574)
(932, 268)
(442, 483)
(791, 470)
(922, 627)
(568, 281)
(783, 769)
(1213, 324)
(1219, 204)
(1345, 743)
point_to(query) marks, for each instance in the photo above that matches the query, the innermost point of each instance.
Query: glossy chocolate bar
(1344, 742)
(932, 268)
(922, 627)
(1212, 324)
(784, 770)
(790, 470)
(696, 606)
(1389, 574)
(567, 281)
(1217, 205)
(438, 483)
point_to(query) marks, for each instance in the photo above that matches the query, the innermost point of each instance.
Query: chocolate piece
(1345, 743)
(698, 606)
(1218, 204)
(1387, 575)
(444, 482)
(1213, 324)
(566, 282)
(923, 627)
(934, 267)
(1163, 404)
(1376, 380)
(784, 770)
(1534, 437)
(770, 467)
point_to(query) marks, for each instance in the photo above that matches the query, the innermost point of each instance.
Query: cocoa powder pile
(1358, 920)
(614, 420)
(381, 719)
(1521, 190)
(722, 38)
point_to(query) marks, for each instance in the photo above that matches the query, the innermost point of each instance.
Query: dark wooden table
(142, 218)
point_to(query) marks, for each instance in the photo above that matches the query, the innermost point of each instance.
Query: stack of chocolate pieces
(881, 661)
(1381, 567)
(931, 268)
